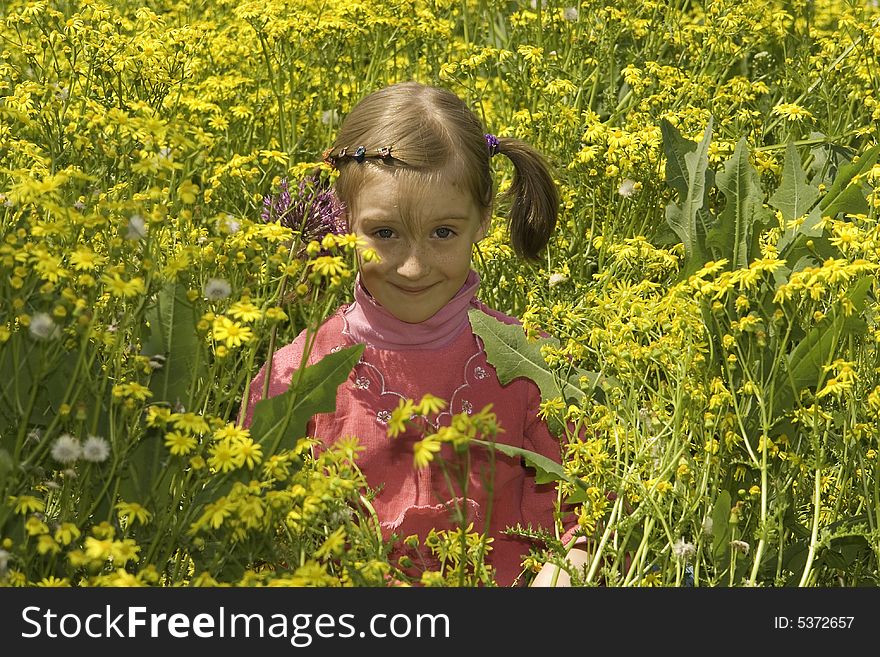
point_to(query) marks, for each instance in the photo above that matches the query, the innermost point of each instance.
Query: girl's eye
(443, 232)
(384, 233)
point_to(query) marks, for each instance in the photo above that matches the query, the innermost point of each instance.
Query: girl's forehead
(413, 196)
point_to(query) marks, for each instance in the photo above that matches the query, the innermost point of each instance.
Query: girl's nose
(414, 264)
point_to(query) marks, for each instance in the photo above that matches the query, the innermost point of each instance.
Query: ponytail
(534, 199)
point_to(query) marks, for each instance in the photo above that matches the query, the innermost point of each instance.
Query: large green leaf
(806, 362)
(721, 531)
(311, 391)
(686, 172)
(512, 355)
(546, 470)
(173, 335)
(794, 197)
(735, 235)
(846, 195)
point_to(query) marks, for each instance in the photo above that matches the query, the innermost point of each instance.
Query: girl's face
(424, 234)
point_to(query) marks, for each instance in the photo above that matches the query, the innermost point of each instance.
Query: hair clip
(359, 154)
(385, 152)
(492, 143)
(329, 159)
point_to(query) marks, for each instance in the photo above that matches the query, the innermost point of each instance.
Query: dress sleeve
(539, 499)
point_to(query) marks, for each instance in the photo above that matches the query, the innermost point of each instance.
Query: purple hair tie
(492, 143)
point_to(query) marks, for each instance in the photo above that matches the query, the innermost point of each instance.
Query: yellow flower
(328, 266)
(190, 422)
(47, 544)
(249, 452)
(124, 551)
(121, 288)
(24, 504)
(223, 457)
(792, 112)
(245, 311)
(98, 549)
(132, 511)
(233, 333)
(424, 450)
(399, 417)
(66, 533)
(429, 405)
(179, 443)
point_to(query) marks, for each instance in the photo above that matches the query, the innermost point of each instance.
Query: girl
(416, 186)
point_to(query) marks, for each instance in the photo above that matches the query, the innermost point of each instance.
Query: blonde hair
(418, 130)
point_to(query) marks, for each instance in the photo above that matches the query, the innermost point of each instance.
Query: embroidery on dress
(383, 415)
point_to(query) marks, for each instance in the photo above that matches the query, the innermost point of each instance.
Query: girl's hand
(577, 558)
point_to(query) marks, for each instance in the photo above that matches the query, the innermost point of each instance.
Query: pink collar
(367, 321)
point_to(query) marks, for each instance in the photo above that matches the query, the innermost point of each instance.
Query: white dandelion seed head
(570, 13)
(95, 449)
(34, 435)
(627, 187)
(557, 278)
(136, 228)
(43, 327)
(217, 288)
(683, 550)
(232, 225)
(4, 561)
(70, 473)
(52, 485)
(329, 117)
(66, 449)
(708, 526)
(157, 361)
(79, 205)
(740, 546)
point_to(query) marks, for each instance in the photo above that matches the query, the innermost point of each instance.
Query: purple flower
(313, 211)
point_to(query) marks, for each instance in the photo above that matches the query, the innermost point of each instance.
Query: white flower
(231, 224)
(627, 187)
(136, 228)
(707, 525)
(66, 449)
(570, 13)
(216, 289)
(557, 278)
(95, 449)
(683, 550)
(43, 327)
(740, 546)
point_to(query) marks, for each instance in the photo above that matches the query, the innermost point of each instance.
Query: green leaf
(173, 335)
(512, 355)
(845, 194)
(311, 391)
(794, 197)
(143, 476)
(805, 364)
(721, 534)
(686, 172)
(735, 236)
(546, 470)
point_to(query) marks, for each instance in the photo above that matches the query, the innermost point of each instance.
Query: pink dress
(443, 357)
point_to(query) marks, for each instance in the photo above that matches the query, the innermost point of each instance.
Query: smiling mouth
(416, 290)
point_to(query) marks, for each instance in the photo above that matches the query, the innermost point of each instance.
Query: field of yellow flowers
(712, 285)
